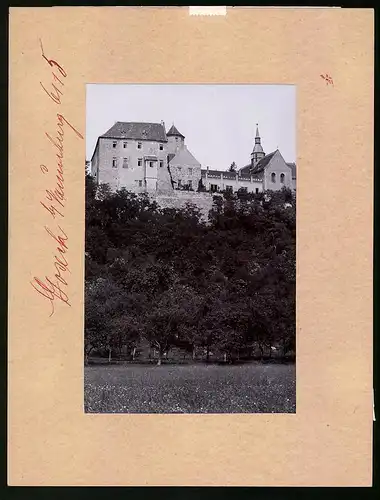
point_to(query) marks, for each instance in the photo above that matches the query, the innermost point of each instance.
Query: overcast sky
(218, 121)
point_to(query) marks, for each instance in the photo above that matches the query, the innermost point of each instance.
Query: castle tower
(176, 140)
(258, 152)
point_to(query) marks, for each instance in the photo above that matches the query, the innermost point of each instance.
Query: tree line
(171, 279)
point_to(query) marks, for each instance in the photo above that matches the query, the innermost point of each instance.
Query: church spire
(258, 152)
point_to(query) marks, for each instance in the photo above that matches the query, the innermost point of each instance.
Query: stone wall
(179, 199)
(185, 169)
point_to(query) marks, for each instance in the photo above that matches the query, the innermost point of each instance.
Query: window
(213, 187)
(140, 184)
(273, 177)
(229, 189)
(139, 145)
(190, 184)
(190, 171)
(179, 183)
(114, 144)
(161, 164)
(124, 144)
(176, 139)
(125, 162)
(243, 189)
(139, 162)
(161, 147)
(179, 169)
(114, 162)
(282, 178)
(257, 190)
(151, 164)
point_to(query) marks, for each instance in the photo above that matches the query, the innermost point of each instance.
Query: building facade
(217, 181)
(272, 170)
(143, 157)
(133, 156)
(185, 169)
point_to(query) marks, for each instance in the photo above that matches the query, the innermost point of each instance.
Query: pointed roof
(174, 131)
(257, 147)
(263, 162)
(184, 157)
(260, 166)
(257, 130)
(137, 130)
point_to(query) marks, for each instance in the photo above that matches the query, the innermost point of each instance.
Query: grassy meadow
(241, 388)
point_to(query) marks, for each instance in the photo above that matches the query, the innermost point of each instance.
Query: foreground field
(250, 388)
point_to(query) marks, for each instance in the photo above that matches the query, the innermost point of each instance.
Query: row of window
(139, 145)
(282, 177)
(126, 163)
(215, 187)
(190, 170)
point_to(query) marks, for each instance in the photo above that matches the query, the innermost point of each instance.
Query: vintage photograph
(190, 249)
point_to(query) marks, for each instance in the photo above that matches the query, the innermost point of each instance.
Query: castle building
(185, 169)
(132, 155)
(143, 157)
(273, 171)
(264, 172)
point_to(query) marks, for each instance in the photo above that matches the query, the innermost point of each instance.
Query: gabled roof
(137, 131)
(245, 169)
(260, 166)
(174, 131)
(184, 157)
(170, 157)
(293, 168)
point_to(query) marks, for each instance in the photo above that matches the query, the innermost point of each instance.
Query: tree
(232, 167)
(127, 331)
(169, 277)
(173, 317)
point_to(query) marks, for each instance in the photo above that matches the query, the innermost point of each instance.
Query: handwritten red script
(54, 286)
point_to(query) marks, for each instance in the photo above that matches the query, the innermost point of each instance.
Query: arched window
(282, 178)
(273, 177)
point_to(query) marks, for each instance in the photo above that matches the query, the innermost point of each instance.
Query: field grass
(249, 388)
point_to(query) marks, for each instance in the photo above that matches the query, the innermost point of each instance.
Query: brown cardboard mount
(328, 441)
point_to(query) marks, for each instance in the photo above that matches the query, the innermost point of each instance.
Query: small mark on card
(328, 79)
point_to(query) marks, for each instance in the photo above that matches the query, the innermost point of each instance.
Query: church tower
(176, 140)
(258, 152)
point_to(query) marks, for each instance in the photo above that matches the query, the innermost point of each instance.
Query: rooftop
(260, 166)
(174, 131)
(263, 163)
(137, 131)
